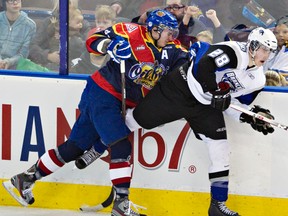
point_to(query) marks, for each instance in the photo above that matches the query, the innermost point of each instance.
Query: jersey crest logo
(147, 74)
(131, 27)
(234, 83)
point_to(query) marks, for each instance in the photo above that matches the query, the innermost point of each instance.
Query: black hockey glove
(221, 98)
(258, 124)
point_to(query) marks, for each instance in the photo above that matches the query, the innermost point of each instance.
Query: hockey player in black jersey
(199, 91)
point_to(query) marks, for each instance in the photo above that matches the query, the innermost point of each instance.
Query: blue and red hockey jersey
(143, 69)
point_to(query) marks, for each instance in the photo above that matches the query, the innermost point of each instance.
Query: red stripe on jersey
(139, 47)
(121, 181)
(54, 158)
(100, 80)
(43, 168)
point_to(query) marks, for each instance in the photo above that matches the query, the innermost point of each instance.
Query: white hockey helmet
(260, 36)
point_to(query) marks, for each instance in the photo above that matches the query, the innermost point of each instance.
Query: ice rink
(28, 211)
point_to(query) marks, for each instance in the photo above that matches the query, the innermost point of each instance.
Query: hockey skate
(87, 158)
(218, 208)
(123, 207)
(23, 182)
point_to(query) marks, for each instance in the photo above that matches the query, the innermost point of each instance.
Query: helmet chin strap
(252, 52)
(156, 40)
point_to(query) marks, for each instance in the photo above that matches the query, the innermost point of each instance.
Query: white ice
(28, 211)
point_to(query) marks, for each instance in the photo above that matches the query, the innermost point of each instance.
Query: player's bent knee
(69, 151)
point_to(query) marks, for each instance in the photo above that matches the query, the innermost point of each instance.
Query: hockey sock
(120, 175)
(49, 162)
(219, 190)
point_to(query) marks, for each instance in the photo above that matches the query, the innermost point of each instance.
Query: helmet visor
(172, 32)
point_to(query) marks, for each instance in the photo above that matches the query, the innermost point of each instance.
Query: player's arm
(206, 88)
(217, 58)
(112, 41)
(98, 42)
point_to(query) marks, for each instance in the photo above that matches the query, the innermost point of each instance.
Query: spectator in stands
(211, 20)
(17, 31)
(278, 61)
(188, 26)
(205, 36)
(88, 63)
(132, 8)
(45, 47)
(275, 79)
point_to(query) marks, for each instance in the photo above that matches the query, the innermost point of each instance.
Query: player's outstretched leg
(218, 208)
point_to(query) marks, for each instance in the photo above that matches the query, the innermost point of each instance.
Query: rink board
(170, 175)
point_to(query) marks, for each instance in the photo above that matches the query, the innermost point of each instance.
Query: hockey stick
(106, 203)
(123, 87)
(260, 117)
(109, 200)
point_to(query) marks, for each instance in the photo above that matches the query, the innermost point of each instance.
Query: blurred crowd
(30, 38)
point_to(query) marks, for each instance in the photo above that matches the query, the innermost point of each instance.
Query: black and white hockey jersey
(226, 61)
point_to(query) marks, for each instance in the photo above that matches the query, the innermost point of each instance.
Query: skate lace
(90, 156)
(27, 193)
(224, 209)
(128, 208)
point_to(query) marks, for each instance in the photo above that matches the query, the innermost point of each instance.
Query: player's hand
(258, 124)
(221, 98)
(193, 49)
(119, 49)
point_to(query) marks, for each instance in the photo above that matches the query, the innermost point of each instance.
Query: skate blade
(10, 189)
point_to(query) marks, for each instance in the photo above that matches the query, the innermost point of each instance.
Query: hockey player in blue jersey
(150, 52)
(219, 74)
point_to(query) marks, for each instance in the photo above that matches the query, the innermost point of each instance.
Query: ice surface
(28, 211)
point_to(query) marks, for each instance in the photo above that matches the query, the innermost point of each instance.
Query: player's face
(281, 33)
(262, 55)
(165, 37)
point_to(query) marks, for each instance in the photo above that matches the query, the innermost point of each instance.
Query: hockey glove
(221, 98)
(119, 49)
(258, 124)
